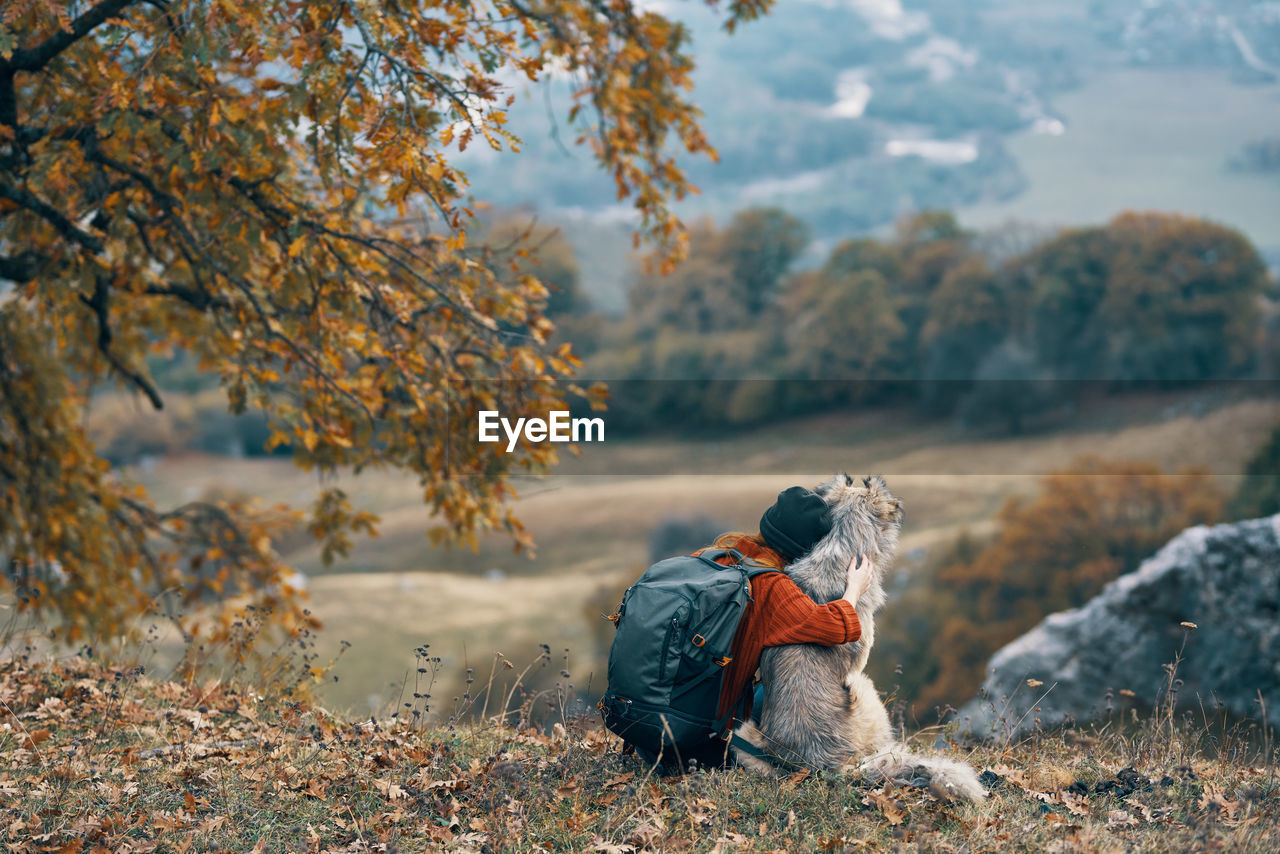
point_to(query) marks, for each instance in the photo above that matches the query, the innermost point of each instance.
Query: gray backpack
(667, 661)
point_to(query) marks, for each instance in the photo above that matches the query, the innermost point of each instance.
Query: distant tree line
(1000, 328)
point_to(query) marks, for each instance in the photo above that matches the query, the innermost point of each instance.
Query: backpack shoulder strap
(712, 555)
(751, 566)
(753, 569)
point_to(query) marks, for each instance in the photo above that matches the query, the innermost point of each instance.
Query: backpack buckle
(698, 640)
(724, 660)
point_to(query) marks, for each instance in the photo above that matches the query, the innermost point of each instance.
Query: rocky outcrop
(1223, 579)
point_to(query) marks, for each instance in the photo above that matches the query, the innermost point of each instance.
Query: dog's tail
(944, 777)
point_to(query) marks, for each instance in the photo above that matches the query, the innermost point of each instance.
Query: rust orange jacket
(779, 613)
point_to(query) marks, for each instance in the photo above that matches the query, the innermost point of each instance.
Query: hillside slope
(94, 758)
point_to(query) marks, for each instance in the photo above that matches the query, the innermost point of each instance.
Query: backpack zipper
(666, 647)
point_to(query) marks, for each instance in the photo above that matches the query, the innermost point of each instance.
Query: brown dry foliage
(1092, 522)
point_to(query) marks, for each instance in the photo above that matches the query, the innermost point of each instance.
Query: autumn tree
(728, 278)
(701, 295)
(844, 334)
(1183, 299)
(864, 253)
(1148, 297)
(270, 187)
(1060, 284)
(760, 244)
(1091, 523)
(967, 317)
(523, 247)
(931, 245)
(927, 226)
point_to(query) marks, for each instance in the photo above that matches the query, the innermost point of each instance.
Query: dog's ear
(875, 483)
(888, 505)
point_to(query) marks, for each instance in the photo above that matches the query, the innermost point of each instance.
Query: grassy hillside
(97, 758)
(593, 519)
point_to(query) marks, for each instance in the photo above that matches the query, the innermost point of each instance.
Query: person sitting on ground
(779, 612)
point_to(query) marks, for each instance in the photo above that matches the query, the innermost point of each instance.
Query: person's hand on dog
(860, 573)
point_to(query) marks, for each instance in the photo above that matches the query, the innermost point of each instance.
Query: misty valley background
(965, 245)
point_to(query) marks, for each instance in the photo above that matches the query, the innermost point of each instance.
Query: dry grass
(97, 758)
(613, 496)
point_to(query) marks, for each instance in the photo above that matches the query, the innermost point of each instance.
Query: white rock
(1225, 579)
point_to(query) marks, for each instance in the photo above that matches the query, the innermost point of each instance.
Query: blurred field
(1140, 139)
(592, 527)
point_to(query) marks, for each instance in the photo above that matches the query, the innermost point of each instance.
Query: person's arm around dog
(787, 615)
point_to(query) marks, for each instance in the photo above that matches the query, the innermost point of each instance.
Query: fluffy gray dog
(820, 709)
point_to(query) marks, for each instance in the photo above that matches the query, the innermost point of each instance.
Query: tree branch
(35, 58)
(197, 299)
(8, 100)
(21, 267)
(98, 302)
(52, 215)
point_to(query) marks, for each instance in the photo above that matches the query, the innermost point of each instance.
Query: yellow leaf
(296, 247)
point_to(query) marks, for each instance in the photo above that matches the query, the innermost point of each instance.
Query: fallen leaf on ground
(1120, 818)
(620, 779)
(794, 779)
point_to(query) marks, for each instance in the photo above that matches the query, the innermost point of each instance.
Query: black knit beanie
(795, 523)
